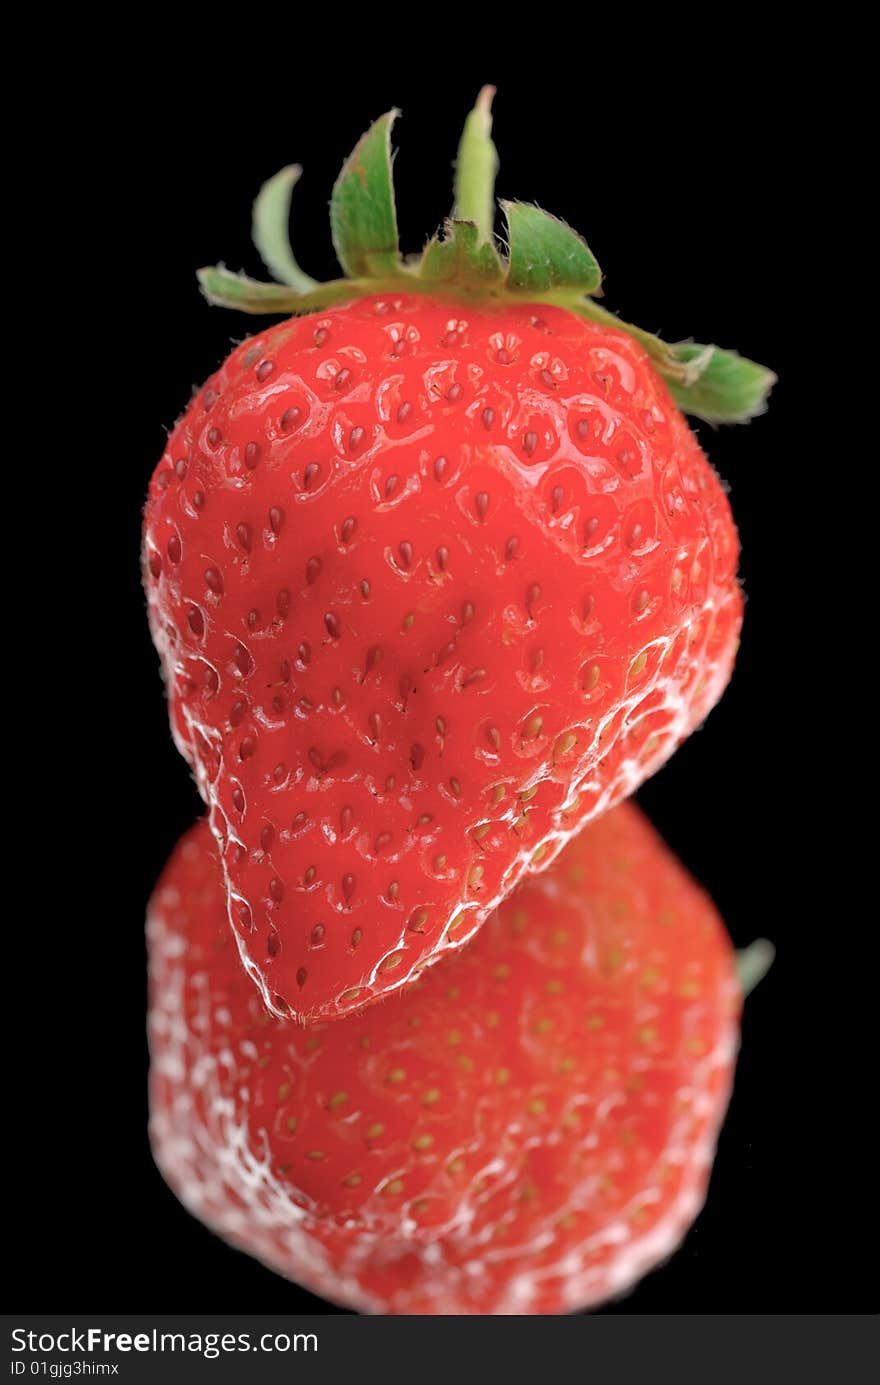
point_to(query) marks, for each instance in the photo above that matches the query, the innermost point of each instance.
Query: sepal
(753, 963)
(228, 290)
(545, 254)
(462, 257)
(270, 233)
(727, 388)
(363, 218)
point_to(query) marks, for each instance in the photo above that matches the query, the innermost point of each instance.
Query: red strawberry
(436, 576)
(529, 1129)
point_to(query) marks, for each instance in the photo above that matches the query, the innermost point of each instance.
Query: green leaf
(753, 963)
(227, 290)
(476, 167)
(462, 257)
(363, 220)
(727, 388)
(547, 254)
(271, 218)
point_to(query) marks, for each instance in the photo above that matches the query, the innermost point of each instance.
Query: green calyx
(542, 260)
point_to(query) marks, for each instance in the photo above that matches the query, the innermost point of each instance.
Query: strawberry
(528, 1129)
(437, 573)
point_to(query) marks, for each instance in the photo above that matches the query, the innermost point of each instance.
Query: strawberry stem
(476, 167)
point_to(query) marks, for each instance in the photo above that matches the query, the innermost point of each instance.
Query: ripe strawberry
(436, 576)
(529, 1129)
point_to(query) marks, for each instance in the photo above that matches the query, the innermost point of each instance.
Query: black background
(696, 189)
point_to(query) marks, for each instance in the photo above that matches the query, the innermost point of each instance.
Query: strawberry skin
(528, 1129)
(433, 586)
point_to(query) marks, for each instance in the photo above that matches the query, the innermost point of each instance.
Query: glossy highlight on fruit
(528, 1129)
